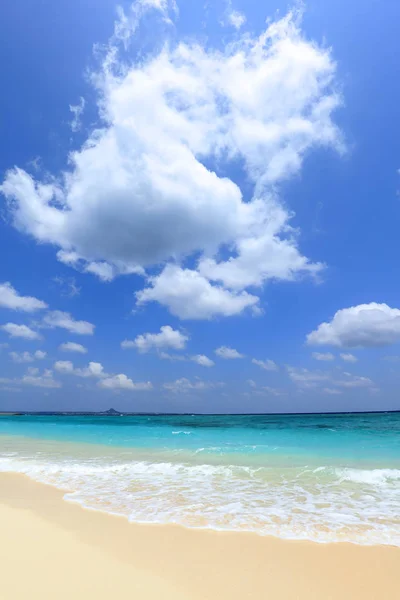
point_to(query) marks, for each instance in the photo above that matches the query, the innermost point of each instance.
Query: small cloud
(58, 318)
(183, 385)
(347, 357)
(392, 358)
(202, 360)
(167, 338)
(72, 347)
(228, 353)
(122, 382)
(94, 369)
(20, 331)
(273, 391)
(68, 287)
(236, 19)
(26, 357)
(35, 163)
(332, 391)
(33, 378)
(232, 17)
(9, 298)
(77, 110)
(323, 356)
(172, 357)
(267, 365)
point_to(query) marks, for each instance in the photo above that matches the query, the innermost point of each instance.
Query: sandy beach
(51, 548)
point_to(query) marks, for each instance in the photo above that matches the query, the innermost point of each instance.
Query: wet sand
(51, 548)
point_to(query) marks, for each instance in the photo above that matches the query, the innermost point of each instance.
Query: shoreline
(61, 548)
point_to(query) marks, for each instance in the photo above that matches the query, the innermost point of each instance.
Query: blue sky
(189, 177)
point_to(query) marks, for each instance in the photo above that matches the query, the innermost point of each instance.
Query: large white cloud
(138, 193)
(167, 338)
(9, 298)
(359, 326)
(188, 295)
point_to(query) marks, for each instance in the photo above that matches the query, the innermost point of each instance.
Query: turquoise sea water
(318, 477)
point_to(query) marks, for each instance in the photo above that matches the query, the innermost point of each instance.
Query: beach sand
(53, 549)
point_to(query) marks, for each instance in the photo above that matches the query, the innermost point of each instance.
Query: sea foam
(322, 504)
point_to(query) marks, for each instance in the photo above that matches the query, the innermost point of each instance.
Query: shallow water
(318, 477)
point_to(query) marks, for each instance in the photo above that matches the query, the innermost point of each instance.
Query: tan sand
(52, 549)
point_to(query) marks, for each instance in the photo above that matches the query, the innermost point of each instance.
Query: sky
(199, 206)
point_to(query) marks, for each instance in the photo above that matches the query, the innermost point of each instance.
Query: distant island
(111, 412)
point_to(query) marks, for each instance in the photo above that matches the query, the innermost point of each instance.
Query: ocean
(325, 478)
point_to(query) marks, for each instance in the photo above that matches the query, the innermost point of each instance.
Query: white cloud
(9, 298)
(21, 357)
(262, 257)
(228, 353)
(332, 391)
(94, 369)
(265, 390)
(140, 185)
(392, 358)
(25, 357)
(184, 385)
(236, 19)
(45, 381)
(167, 338)
(313, 379)
(33, 378)
(306, 378)
(72, 347)
(172, 357)
(20, 331)
(268, 365)
(106, 381)
(188, 295)
(365, 325)
(122, 382)
(203, 360)
(57, 318)
(77, 111)
(347, 357)
(326, 356)
(103, 270)
(353, 381)
(64, 366)
(68, 286)
(32, 371)
(273, 391)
